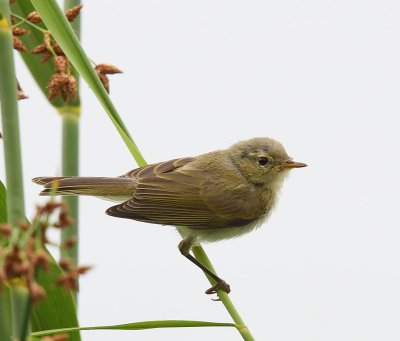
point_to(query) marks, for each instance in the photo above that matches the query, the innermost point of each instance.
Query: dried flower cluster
(18, 44)
(20, 261)
(73, 12)
(103, 70)
(34, 18)
(62, 83)
(22, 252)
(71, 274)
(48, 49)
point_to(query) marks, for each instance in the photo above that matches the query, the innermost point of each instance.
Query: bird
(211, 197)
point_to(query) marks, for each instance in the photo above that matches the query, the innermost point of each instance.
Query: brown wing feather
(170, 195)
(157, 168)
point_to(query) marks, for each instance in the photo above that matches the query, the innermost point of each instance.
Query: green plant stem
(5, 315)
(21, 310)
(70, 154)
(70, 167)
(13, 162)
(201, 256)
(10, 121)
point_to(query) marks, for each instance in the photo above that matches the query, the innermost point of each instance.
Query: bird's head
(263, 161)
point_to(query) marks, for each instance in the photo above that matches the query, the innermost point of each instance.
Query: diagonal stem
(201, 256)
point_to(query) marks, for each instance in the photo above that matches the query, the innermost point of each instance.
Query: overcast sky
(322, 77)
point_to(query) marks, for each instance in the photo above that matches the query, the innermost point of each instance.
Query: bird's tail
(117, 188)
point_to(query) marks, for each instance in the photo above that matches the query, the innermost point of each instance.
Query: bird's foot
(221, 284)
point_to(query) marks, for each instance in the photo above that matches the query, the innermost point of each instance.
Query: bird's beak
(289, 165)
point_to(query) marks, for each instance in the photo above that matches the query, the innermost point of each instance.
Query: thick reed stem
(13, 164)
(70, 167)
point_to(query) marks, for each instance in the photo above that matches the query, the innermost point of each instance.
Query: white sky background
(322, 77)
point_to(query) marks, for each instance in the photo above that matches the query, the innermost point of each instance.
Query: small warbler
(210, 197)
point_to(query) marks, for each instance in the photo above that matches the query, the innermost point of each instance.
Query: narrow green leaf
(62, 31)
(58, 309)
(141, 326)
(5, 315)
(21, 310)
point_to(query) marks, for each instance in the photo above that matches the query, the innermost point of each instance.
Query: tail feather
(94, 186)
(43, 180)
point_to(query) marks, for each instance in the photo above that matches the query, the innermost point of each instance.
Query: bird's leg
(184, 247)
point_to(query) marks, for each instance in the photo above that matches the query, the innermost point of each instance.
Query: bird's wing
(167, 194)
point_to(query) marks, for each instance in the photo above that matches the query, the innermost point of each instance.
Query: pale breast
(215, 234)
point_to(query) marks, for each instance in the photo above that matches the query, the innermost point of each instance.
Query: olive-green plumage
(214, 196)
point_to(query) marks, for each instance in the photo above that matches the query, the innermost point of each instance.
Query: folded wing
(170, 194)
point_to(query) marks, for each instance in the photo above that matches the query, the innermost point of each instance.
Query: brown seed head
(73, 12)
(64, 219)
(41, 48)
(57, 49)
(19, 45)
(56, 85)
(64, 85)
(69, 243)
(68, 281)
(46, 56)
(72, 91)
(19, 31)
(61, 64)
(36, 292)
(107, 69)
(34, 17)
(51, 206)
(5, 230)
(23, 224)
(41, 259)
(105, 81)
(66, 264)
(14, 265)
(84, 269)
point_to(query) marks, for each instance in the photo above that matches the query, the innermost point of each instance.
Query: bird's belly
(213, 234)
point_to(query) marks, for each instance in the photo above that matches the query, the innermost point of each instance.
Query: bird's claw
(217, 286)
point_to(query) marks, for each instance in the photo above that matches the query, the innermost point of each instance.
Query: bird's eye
(262, 161)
